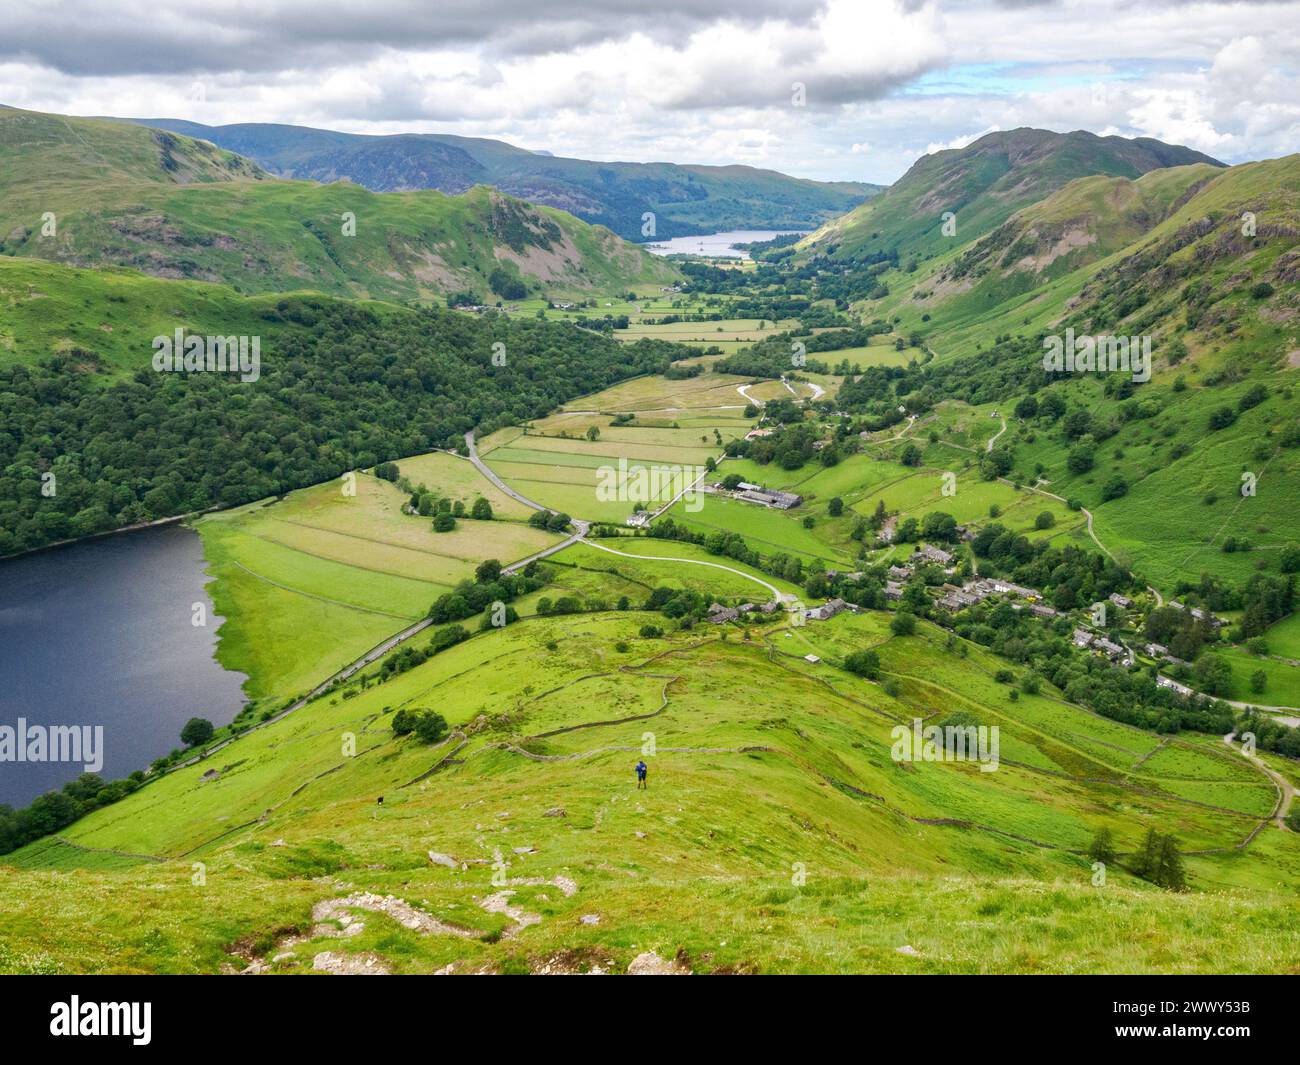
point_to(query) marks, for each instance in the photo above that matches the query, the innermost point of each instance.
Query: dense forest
(342, 387)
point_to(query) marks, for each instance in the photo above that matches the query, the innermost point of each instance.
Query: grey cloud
(86, 37)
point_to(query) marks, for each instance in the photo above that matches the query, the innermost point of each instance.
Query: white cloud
(705, 81)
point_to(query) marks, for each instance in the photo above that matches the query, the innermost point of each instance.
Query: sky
(827, 89)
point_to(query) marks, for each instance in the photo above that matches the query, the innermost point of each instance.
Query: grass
(120, 199)
(311, 582)
(289, 814)
(647, 461)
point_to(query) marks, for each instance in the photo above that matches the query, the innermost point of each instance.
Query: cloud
(96, 37)
(707, 81)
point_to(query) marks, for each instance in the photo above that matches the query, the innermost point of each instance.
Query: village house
(719, 614)
(768, 497)
(827, 610)
(1121, 601)
(899, 573)
(934, 554)
(1007, 588)
(1198, 614)
(1116, 652)
(893, 590)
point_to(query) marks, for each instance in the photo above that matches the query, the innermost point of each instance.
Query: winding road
(781, 597)
(1286, 793)
(581, 526)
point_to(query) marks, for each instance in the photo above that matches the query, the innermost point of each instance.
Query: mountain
(982, 185)
(685, 200)
(166, 204)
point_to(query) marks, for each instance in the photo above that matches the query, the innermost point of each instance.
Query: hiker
(641, 770)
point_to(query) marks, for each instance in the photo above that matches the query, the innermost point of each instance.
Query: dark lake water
(101, 633)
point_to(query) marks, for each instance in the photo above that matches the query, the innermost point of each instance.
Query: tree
(488, 571)
(593, 432)
(197, 731)
(1147, 860)
(835, 507)
(863, 664)
(444, 522)
(903, 623)
(910, 455)
(1114, 488)
(431, 727)
(1045, 520)
(1080, 459)
(1170, 872)
(1102, 847)
(481, 510)
(1258, 681)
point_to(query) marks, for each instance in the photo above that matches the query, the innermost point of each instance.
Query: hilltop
(685, 199)
(982, 185)
(175, 207)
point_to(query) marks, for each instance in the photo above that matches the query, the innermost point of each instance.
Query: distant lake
(716, 244)
(100, 633)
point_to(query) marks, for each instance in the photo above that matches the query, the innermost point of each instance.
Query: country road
(1286, 793)
(780, 596)
(994, 438)
(581, 526)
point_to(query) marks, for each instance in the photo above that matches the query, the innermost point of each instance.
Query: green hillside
(982, 185)
(178, 208)
(434, 771)
(520, 840)
(684, 199)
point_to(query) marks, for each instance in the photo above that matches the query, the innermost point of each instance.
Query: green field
(311, 582)
(649, 461)
(811, 746)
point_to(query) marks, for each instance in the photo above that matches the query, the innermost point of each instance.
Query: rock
(909, 950)
(525, 850)
(650, 964)
(590, 918)
(640, 835)
(444, 859)
(367, 964)
(555, 811)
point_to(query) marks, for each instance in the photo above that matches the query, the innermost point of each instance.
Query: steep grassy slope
(1202, 261)
(111, 314)
(684, 199)
(983, 184)
(536, 814)
(48, 149)
(114, 205)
